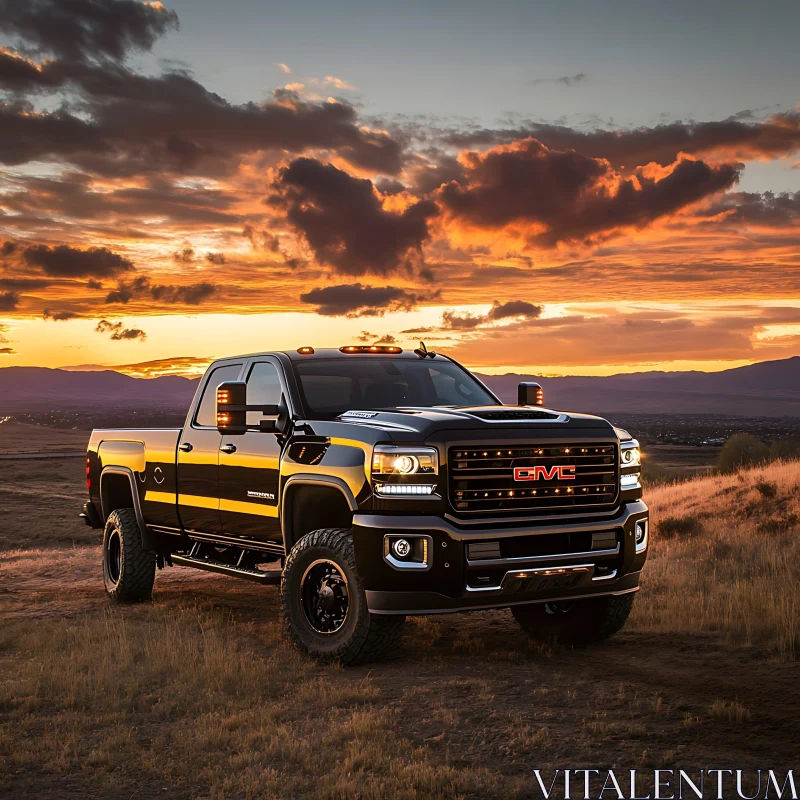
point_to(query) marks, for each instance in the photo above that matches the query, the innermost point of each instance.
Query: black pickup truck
(372, 483)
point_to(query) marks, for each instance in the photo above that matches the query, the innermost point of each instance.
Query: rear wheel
(575, 621)
(128, 569)
(325, 607)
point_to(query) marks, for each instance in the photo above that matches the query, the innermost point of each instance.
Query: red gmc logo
(563, 473)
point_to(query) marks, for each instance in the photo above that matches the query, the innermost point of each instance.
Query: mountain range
(768, 389)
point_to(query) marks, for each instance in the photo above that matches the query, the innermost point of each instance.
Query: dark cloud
(514, 308)
(387, 338)
(119, 332)
(69, 262)
(93, 284)
(356, 300)
(115, 121)
(23, 284)
(7, 351)
(564, 80)
(344, 223)
(142, 288)
(215, 258)
(758, 208)
(461, 322)
(632, 147)
(9, 301)
(81, 30)
(185, 256)
(8, 248)
(60, 316)
(567, 196)
(133, 124)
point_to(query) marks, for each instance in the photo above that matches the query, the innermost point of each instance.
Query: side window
(206, 411)
(263, 389)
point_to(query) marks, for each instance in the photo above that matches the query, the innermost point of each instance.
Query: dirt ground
(198, 694)
(22, 437)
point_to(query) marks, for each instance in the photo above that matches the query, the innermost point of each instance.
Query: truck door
(249, 464)
(198, 458)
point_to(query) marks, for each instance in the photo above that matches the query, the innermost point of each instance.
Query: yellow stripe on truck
(160, 497)
(236, 506)
(240, 507)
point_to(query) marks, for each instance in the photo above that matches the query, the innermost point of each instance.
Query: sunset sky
(572, 187)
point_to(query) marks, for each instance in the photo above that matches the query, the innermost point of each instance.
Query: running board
(270, 576)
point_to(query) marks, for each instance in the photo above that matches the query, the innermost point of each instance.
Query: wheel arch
(118, 490)
(311, 502)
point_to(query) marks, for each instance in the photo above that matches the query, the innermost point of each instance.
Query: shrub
(742, 450)
(767, 489)
(674, 527)
(785, 450)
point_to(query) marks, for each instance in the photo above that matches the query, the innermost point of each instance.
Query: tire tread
(375, 635)
(138, 566)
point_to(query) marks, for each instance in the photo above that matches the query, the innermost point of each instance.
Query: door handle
(228, 448)
(185, 447)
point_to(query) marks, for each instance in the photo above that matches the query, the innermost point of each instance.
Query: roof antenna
(423, 351)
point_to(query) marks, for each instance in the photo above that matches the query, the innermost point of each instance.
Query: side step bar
(271, 576)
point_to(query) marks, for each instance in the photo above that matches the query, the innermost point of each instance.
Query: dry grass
(725, 556)
(198, 695)
(729, 710)
(194, 703)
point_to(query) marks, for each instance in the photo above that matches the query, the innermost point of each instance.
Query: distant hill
(767, 389)
(40, 388)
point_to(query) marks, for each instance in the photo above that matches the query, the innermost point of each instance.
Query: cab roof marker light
(370, 348)
(305, 351)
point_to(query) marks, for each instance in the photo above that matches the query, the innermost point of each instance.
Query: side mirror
(232, 411)
(530, 394)
(232, 408)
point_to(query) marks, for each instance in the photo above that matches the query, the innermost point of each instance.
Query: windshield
(332, 386)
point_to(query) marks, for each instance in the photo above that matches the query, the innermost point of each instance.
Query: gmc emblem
(563, 473)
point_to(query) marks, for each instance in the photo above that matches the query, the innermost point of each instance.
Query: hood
(412, 423)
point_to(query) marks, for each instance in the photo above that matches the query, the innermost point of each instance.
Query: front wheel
(575, 621)
(128, 569)
(325, 607)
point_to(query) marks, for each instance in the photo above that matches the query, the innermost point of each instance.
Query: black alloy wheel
(325, 596)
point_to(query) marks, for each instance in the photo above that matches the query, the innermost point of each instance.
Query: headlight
(631, 456)
(404, 471)
(388, 460)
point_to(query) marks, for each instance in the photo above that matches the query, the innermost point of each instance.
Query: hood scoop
(513, 415)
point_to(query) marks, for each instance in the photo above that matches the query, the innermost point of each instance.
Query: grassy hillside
(725, 556)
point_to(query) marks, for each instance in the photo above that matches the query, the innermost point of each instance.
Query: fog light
(641, 535)
(401, 548)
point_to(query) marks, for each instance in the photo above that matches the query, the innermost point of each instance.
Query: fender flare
(148, 539)
(311, 479)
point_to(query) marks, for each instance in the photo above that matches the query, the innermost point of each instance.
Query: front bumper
(471, 569)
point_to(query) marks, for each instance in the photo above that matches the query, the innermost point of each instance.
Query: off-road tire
(586, 621)
(362, 636)
(128, 578)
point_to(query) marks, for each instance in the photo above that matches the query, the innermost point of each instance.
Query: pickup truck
(371, 484)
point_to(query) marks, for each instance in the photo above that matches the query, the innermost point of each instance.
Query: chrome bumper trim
(501, 562)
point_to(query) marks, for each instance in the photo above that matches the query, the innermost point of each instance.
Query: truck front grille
(488, 481)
